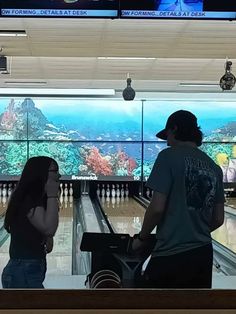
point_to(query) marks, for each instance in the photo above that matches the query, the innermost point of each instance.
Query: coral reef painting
(151, 151)
(84, 120)
(13, 119)
(13, 157)
(225, 156)
(94, 160)
(216, 119)
(103, 139)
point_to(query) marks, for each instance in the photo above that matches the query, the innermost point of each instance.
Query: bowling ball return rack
(113, 252)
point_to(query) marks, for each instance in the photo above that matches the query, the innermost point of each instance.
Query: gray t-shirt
(193, 184)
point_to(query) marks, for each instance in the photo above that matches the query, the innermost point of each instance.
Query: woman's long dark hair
(32, 184)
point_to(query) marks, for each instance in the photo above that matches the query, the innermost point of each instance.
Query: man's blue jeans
(24, 273)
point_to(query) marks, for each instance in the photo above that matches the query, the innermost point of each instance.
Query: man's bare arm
(153, 214)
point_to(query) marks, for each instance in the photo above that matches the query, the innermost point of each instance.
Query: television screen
(13, 119)
(224, 154)
(183, 9)
(60, 8)
(13, 158)
(84, 120)
(92, 160)
(216, 118)
(150, 153)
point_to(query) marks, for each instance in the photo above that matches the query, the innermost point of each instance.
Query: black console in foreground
(113, 252)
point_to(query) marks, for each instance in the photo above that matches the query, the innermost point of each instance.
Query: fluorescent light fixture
(198, 84)
(12, 33)
(125, 58)
(57, 91)
(35, 83)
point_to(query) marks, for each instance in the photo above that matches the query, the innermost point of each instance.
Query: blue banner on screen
(189, 9)
(60, 8)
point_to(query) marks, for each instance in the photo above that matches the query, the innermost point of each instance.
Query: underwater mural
(216, 119)
(224, 154)
(103, 139)
(150, 153)
(95, 161)
(84, 120)
(13, 119)
(13, 157)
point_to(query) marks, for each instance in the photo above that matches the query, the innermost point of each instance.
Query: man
(187, 205)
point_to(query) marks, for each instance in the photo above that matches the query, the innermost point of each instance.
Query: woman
(32, 220)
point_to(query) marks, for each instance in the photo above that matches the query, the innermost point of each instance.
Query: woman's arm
(45, 221)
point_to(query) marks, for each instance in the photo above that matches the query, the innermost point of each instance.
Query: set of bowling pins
(5, 191)
(113, 193)
(149, 193)
(66, 194)
(113, 190)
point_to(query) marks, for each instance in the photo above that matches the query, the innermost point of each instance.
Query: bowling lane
(231, 201)
(226, 234)
(59, 261)
(124, 214)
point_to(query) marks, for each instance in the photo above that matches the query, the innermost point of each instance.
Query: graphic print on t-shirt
(200, 186)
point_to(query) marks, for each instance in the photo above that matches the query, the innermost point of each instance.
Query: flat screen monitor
(178, 9)
(60, 8)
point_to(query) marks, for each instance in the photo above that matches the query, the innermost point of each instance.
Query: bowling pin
(117, 190)
(126, 190)
(71, 190)
(113, 192)
(9, 191)
(108, 190)
(98, 190)
(66, 190)
(122, 191)
(103, 190)
(61, 190)
(4, 190)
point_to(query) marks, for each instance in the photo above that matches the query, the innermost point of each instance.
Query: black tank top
(26, 241)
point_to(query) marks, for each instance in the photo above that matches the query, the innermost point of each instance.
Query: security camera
(228, 80)
(128, 92)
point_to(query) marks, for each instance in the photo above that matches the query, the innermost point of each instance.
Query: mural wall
(106, 139)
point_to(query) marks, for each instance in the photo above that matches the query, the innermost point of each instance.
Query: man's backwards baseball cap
(182, 119)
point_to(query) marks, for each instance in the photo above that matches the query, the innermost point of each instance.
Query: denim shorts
(24, 273)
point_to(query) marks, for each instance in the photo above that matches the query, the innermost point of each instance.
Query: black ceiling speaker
(128, 92)
(228, 80)
(3, 63)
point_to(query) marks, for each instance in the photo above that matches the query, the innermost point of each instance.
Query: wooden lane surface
(231, 201)
(226, 234)
(124, 214)
(59, 261)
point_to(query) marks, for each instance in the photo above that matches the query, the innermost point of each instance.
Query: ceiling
(64, 53)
